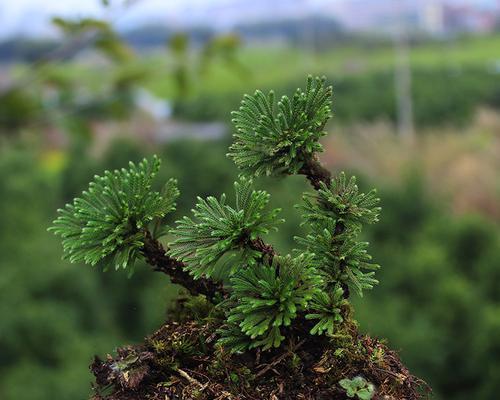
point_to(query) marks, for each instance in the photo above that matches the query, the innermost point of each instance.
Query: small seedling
(358, 387)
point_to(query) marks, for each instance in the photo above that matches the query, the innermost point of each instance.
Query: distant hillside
(151, 36)
(315, 30)
(22, 49)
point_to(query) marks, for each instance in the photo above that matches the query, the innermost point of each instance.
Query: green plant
(108, 223)
(219, 229)
(266, 298)
(220, 252)
(271, 139)
(358, 387)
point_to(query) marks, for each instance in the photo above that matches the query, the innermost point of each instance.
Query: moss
(196, 308)
(182, 361)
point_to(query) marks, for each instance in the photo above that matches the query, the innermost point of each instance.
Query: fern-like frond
(274, 139)
(218, 229)
(326, 307)
(337, 253)
(106, 224)
(231, 337)
(341, 201)
(268, 297)
(340, 257)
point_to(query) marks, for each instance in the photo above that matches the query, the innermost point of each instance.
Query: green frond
(232, 338)
(340, 257)
(276, 139)
(218, 229)
(106, 224)
(358, 269)
(326, 307)
(267, 298)
(337, 253)
(341, 201)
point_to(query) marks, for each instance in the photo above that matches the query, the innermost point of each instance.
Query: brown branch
(279, 359)
(192, 380)
(156, 256)
(315, 173)
(266, 249)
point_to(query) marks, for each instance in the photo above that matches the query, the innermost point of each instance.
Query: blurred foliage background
(96, 100)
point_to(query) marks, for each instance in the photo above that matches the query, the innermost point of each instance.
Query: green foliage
(18, 108)
(217, 229)
(358, 387)
(326, 307)
(107, 223)
(342, 202)
(340, 257)
(266, 298)
(449, 284)
(335, 215)
(273, 140)
(105, 39)
(440, 276)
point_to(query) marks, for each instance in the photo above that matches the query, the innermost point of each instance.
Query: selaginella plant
(272, 325)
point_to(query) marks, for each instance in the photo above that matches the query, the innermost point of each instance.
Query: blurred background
(88, 86)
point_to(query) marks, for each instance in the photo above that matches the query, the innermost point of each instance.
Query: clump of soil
(182, 361)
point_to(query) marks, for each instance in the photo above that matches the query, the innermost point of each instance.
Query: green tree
(264, 300)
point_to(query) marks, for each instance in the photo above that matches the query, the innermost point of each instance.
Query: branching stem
(317, 174)
(266, 249)
(156, 256)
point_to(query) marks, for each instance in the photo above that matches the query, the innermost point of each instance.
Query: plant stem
(316, 174)
(266, 249)
(156, 256)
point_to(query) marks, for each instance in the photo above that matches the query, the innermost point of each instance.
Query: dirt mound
(182, 361)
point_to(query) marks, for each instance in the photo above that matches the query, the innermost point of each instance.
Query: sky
(32, 17)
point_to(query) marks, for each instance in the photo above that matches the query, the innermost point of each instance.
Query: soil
(182, 361)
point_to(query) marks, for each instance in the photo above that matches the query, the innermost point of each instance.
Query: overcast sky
(31, 17)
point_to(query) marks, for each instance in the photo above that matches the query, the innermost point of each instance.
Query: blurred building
(432, 17)
(437, 17)
(468, 18)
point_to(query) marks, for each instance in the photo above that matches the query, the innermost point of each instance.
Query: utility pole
(404, 101)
